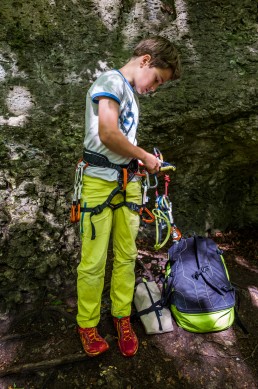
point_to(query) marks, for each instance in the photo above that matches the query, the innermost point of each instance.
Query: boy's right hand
(151, 163)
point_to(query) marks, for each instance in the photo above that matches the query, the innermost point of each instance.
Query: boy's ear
(145, 60)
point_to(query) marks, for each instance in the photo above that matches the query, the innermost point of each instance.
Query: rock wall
(50, 52)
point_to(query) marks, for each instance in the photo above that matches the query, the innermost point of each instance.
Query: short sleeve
(109, 84)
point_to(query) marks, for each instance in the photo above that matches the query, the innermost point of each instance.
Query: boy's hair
(163, 54)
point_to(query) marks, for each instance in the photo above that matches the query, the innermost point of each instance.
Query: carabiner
(158, 154)
(75, 213)
(149, 186)
(145, 210)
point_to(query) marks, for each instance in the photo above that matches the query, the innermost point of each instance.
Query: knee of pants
(124, 254)
(85, 270)
(125, 229)
(125, 221)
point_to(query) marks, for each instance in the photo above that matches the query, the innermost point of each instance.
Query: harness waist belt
(96, 159)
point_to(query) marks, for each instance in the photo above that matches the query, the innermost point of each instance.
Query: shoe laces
(91, 333)
(125, 327)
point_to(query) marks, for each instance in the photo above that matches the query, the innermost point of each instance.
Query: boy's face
(147, 79)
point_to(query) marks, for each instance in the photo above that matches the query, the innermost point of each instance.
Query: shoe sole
(126, 355)
(95, 354)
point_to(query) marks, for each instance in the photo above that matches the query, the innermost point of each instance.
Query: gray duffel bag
(155, 318)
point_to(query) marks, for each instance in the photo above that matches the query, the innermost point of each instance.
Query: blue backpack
(197, 286)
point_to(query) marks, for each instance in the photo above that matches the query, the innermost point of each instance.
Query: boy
(111, 124)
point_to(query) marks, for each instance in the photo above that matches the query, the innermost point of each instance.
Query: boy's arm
(114, 140)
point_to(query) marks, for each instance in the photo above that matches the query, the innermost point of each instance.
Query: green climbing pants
(124, 225)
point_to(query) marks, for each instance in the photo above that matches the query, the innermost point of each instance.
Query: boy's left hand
(151, 163)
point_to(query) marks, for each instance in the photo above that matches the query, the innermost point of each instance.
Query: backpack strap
(204, 268)
(236, 309)
(167, 290)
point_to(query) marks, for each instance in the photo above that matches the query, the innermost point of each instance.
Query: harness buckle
(97, 210)
(133, 206)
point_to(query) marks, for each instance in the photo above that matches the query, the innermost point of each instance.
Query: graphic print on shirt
(127, 118)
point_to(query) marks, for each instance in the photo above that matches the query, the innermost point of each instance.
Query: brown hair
(163, 54)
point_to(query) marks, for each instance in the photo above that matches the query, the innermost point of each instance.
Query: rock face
(50, 52)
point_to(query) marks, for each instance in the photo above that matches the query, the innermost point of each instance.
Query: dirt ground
(41, 349)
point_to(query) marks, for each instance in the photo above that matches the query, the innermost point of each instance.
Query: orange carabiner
(75, 213)
(149, 213)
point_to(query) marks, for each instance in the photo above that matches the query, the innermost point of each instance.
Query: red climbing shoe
(92, 342)
(127, 340)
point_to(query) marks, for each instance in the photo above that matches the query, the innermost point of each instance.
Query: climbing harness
(125, 175)
(162, 214)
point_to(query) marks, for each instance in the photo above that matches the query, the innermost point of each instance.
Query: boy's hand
(151, 163)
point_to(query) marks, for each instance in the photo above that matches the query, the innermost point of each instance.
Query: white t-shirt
(110, 84)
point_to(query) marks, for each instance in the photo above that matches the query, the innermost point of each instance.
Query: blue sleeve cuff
(104, 94)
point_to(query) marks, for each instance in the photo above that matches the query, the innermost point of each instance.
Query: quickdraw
(145, 214)
(163, 209)
(76, 204)
(164, 220)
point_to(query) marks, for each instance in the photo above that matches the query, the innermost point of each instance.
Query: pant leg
(91, 270)
(125, 230)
